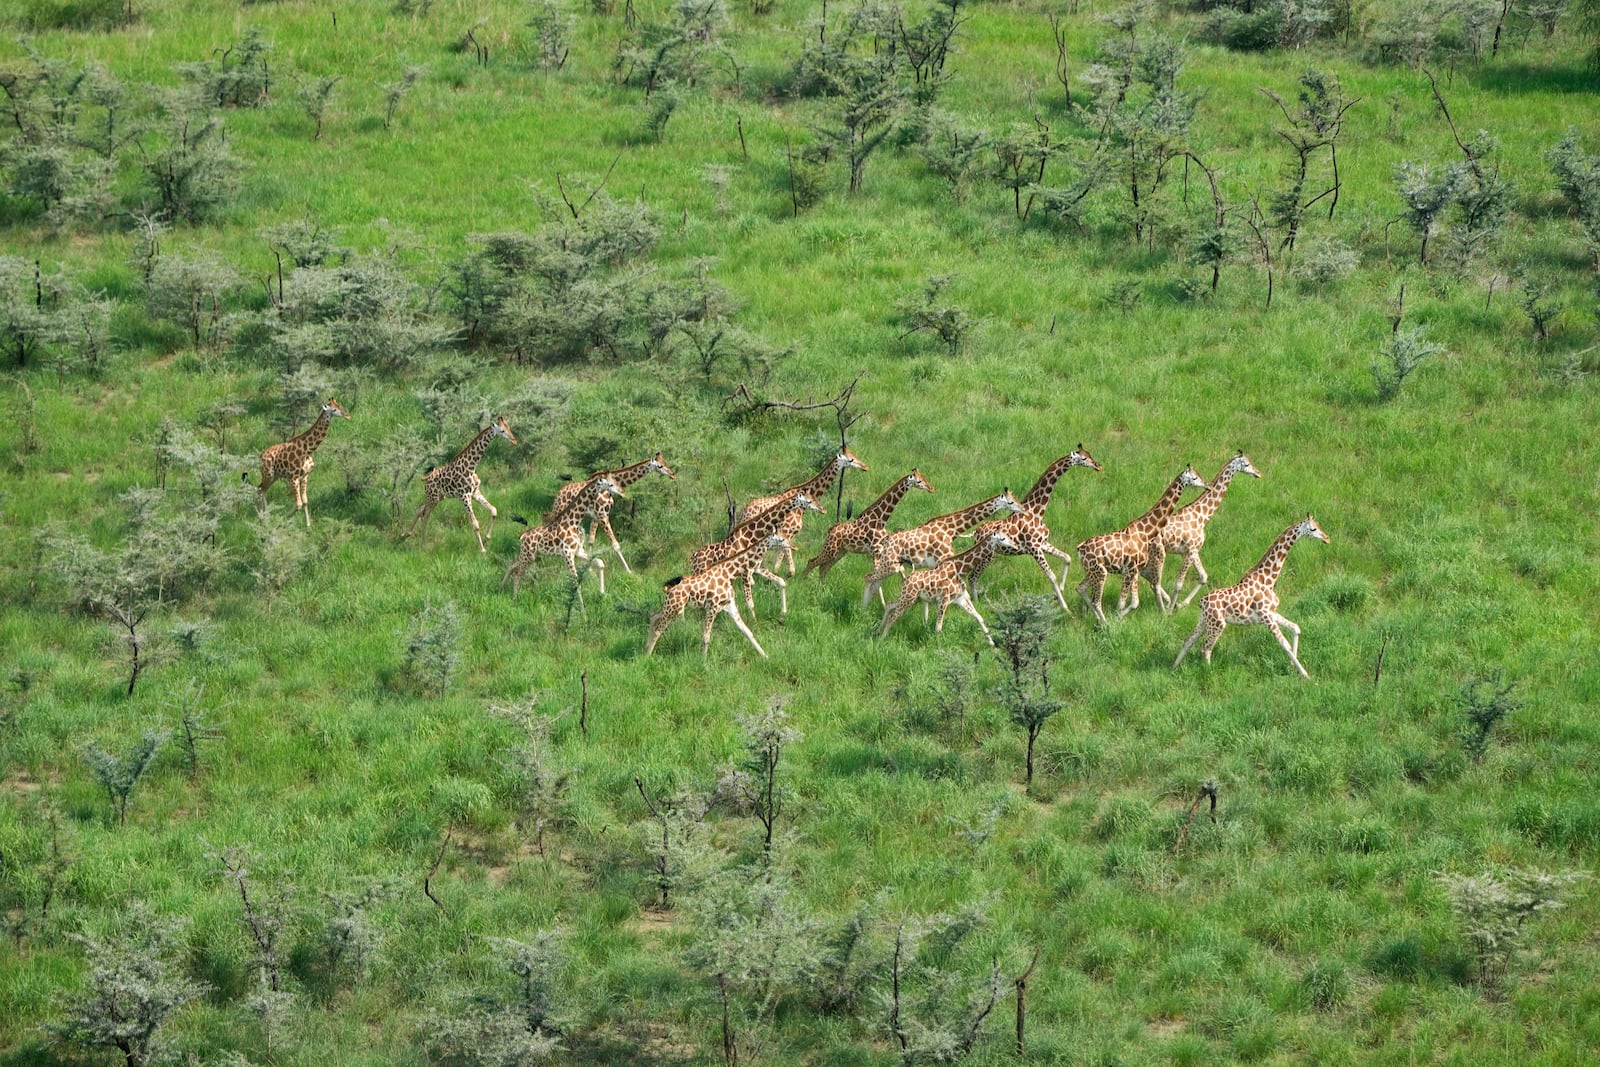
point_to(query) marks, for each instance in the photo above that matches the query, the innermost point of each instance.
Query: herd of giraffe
(1000, 525)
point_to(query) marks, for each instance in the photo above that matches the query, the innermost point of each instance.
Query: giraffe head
(918, 481)
(801, 502)
(1190, 478)
(604, 484)
(501, 428)
(1309, 528)
(778, 540)
(1005, 504)
(846, 460)
(1080, 458)
(658, 465)
(332, 409)
(999, 540)
(1240, 464)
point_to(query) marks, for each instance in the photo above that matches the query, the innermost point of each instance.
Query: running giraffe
(756, 530)
(1185, 533)
(712, 589)
(562, 536)
(929, 544)
(948, 583)
(1027, 530)
(814, 487)
(1124, 551)
(861, 533)
(600, 506)
(292, 459)
(458, 479)
(1254, 599)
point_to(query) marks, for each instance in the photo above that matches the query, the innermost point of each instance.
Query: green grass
(1305, 924)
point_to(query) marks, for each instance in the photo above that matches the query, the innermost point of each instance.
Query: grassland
(1307, 923)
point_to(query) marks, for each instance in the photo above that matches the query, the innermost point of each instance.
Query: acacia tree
(1020, 633)
(1315, 124)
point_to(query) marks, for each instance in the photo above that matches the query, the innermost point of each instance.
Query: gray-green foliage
(65, 125)
(190, 171)
(1426, 192)
(1484, 702)
(753, 783)
(535, 781)
(1399, 357)
(552, 23)
(119, 773)
(316, 96)
(1493, 909)
(239, 75)
(673, 839)
(396, 91)
(433, 647)
(1020, 632)
(1577, 175)
(193, 291)
(662, 104)
(932, 1003)
(929, 312)
(954, 151)
(754, 945)
(684, 47)
(507, 1024)
(135, 983)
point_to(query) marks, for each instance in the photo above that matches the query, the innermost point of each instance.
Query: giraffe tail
(519, 518)
(245, 477)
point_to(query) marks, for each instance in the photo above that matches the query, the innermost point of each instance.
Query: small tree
(135, 984)
(266, 914)
(672, 838)
(1577, 175)
(933, 1009)
(871, 97)
(753, 783)
(1484, 701)
(1399, 356)
(194, 726)
(119, 774)
(315, 94)
(507, 1026)
(396, 91)
(190, 171)
(1427, 192)
(538, 785)
(1020, 633)
(930, 313)
(433, 647)
(552, 25)
(1493, 909)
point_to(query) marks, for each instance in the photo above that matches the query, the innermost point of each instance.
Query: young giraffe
(292, 460)
(600, 508)
(459, 479)
(712, 589)
(862, 533)
(929, 544)
(562, 536)
(1126, 550)
(1027, 529)
(949, 583)
(814, 487)
(1185, 533)
(754, 531)
(1254, 599)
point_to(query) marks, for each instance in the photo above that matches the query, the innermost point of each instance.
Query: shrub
(433, 647)
(1399, 357)
(1493, 909)
(1324, 262)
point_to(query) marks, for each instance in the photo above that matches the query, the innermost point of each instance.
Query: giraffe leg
(577, 582)
(705, 628)
(302, 495)
(1050, 576)
(1130, 588)
(1214, 626)
(1272, 624)
(783, 590)
(604, 521)
(1201, 577)
(1199, 628)
(964, 602)
(1066, 565)
(938, 622)
(732, 609)
(494, 513)
(424, 513)
(671, 608)
(892, 613)
(750, 593)
(1293, 628)
(473, 515)
(600, 573)
(1093, 578)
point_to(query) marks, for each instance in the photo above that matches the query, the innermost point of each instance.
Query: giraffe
(459, 479)
(562, 536)
(1125, 551)
(928, 544)
(1027, 530)
(600, 506)
(291, 459)
(814, 487)
(1185, 532)
(1254, 599)
(950, 583)
(862, 532)
(712, 589)
(752, 531)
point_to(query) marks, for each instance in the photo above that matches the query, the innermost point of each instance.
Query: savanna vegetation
(286, 792)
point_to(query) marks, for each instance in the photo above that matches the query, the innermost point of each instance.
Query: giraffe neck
(1156, 517)
(878, 512)
(1267, 571)
(956, 521)
(1208, 502)
(975, 558)
(759, 526)
(626, 476)
(467, 459)
(1038, 497)
(319, 429)
(573, 514)
(819, 484)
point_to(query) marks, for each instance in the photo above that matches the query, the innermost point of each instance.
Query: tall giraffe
(562, 536)
(1185, 532)
(814, 487)
(459, 479)
(1126, 550)
(1254, 599)
(600, 508)
(862, 532)
(1027, 530)
(949, 583)
(755, 530)
(291, 459)
(929, 544)
(712, 589)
